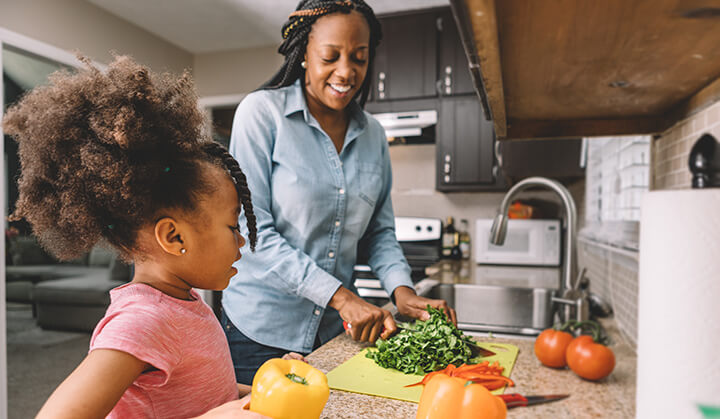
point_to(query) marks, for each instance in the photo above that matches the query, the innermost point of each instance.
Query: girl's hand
(365, 321)
(410, 304)
(234, 409)
(294, 355)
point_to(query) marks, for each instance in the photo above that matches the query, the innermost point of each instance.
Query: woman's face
(337, 56)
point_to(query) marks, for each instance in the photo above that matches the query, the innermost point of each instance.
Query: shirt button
(331, 254)
(337, 223)
(342, 191)
(317, 312)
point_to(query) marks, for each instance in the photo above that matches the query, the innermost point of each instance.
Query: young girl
(121, 158)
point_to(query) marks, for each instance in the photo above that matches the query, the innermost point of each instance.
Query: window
(618, 172)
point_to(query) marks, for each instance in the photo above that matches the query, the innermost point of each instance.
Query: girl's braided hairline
(216, 150)
(102, 153)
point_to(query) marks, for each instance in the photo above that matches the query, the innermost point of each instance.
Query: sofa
(65, 296)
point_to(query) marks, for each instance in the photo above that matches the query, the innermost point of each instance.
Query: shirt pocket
(371, 184)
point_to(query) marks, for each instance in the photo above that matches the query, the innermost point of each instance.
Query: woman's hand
(366, 322)
(410, 304)
(294, 355)
(234, 409)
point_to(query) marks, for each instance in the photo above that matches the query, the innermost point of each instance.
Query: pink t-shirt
(182, 339)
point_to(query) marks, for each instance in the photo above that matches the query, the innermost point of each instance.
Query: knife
(475, 349)
(517, 400)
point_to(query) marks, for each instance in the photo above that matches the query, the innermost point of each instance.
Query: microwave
(528, 242)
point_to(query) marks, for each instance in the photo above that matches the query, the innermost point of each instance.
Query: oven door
(528, 242)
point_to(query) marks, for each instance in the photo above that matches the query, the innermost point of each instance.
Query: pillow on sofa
(25, 250)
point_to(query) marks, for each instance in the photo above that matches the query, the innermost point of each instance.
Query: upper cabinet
(563, 69)
(454, 77)
(421, 56)
(405, 61)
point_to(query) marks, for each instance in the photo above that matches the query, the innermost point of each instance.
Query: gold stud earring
(303, 64)
(183, 250)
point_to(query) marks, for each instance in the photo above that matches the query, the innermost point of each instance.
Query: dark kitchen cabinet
(465, 160)
(406, 60)
(453, 72)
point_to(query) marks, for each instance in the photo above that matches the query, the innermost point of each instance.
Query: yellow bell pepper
(289, 389)
(452, 397)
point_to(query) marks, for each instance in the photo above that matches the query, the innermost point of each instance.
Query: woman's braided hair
(105, 153)
(295, 35)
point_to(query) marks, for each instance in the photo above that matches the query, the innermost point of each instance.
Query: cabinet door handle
(381, 85)
(498, 153)
(448, 80)
(447, 168)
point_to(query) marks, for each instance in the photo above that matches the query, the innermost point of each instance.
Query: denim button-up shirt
(314, 206)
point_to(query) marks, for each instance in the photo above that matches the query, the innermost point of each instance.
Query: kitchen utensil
(360, 374)
(517, 400)
(475, 350)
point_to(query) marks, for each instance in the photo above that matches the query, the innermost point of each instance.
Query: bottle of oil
(464, 238)
(450, 238)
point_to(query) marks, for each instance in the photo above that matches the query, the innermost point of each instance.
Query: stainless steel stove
(421, 242)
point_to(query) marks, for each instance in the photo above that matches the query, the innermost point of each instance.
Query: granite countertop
(613, 397)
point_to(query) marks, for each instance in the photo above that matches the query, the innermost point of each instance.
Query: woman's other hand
(234, 409)
(366, 322)
(410, 304)
(294, 355)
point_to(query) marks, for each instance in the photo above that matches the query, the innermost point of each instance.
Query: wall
(670, 150)
(234, 72)
(414, 193)
(79, 25)
(613, 272)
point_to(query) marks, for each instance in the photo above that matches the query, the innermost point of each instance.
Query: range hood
(406, 124)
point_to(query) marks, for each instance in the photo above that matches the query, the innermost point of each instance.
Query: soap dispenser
(704, 162)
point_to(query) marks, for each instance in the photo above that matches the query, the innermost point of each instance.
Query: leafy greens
(424, 346)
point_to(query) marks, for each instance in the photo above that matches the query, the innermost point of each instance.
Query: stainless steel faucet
(499, 228)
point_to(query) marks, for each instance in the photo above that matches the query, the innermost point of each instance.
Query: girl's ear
(168, 236)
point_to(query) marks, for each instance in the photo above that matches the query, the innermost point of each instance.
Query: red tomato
(588, 359)
(550, 347)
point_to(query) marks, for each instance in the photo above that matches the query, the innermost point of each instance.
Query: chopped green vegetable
(424, 346)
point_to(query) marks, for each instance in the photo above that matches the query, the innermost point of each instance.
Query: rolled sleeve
(397, 278)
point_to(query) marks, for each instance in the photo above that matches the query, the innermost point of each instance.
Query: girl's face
(337, 60)
(216, 241)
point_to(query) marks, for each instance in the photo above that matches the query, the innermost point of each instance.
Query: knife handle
(514, 400)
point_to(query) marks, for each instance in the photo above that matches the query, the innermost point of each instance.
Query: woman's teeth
(340, 88)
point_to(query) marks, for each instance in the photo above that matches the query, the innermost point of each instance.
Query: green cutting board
(362, 375)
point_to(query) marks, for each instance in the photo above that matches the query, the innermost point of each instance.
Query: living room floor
(38, 360)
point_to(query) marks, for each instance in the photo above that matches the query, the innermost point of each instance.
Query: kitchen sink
(500, 309)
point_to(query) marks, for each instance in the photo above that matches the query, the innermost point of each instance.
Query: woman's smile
(340, 89)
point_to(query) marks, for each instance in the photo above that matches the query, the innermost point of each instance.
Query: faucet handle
(582, 282)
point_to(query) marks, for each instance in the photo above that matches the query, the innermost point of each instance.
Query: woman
(320, 173)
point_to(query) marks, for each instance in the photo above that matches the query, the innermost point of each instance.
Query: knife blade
(517, 400)
(475, 349)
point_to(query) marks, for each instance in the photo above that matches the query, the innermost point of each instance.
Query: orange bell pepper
(452, 397)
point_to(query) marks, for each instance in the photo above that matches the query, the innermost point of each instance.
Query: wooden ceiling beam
(574, 128)
(697, 102)
(484, 58)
